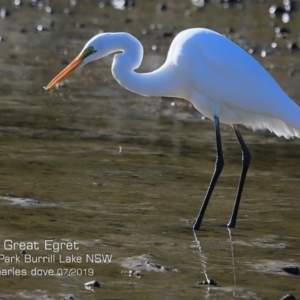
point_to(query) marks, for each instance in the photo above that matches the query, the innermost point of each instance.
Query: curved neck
(156, 83)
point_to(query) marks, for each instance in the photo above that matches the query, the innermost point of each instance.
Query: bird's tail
(276, 126)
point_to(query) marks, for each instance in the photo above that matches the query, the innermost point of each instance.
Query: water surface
(123, 175)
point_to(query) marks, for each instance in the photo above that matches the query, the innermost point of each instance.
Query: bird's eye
(88, 51)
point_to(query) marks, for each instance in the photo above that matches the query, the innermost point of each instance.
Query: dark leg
(217, 172)
(246, 157)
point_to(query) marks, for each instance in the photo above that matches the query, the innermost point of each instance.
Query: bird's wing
(225, 76)
(232, 78)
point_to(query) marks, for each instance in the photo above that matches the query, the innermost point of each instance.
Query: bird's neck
(156, 83)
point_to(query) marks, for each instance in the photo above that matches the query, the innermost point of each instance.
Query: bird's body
(219, 78)
(225, 80)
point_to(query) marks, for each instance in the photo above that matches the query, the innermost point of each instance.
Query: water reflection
(203, 260)
(227, 283)
(233, 263)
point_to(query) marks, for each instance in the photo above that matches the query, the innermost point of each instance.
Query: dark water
(100, 170)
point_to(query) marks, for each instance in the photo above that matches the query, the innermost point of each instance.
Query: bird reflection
(209, 282)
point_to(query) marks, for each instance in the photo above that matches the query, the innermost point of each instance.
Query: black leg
(246, 157)
(217, 172)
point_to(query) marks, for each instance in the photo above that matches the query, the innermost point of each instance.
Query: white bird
(220, 79)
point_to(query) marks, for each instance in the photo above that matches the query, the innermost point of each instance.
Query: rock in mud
(91, 284)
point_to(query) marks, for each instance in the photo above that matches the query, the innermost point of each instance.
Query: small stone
(229, 30)
(70, 297)
(91, 284)
(207, 282)
(161, 7)
(286, 17)
(289, 5)
(67, 11)
(292, 270)
(282, 32)
(276, 10)
(40, 28)
(103, 4)
(129, 3)
(128, 20)
(49, 10)
(18, 2)
(288, 297)
(292, 46)
(4, 12)
(198, 3)
(131, 273)
(167, 34)
(79, 25)
(121, 4)
(154, 47)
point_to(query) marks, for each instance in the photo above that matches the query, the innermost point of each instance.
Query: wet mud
(99, 184)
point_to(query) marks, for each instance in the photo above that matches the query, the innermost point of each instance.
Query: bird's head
(94, 49)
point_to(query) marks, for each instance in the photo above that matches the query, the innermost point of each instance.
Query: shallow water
(113, 173)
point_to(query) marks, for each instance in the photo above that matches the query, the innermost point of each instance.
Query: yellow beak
(65, 72)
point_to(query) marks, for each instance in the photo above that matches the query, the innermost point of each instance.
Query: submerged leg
(246, 157)
(217, 172)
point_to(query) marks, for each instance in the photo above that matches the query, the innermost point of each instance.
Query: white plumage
(220, 79)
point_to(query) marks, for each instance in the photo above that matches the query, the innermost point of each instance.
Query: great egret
(220, 79)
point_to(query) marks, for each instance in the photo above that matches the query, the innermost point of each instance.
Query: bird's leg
(217, 172)
(246, 157)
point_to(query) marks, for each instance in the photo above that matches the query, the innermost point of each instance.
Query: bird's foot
(228, 225)
(231, 224)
